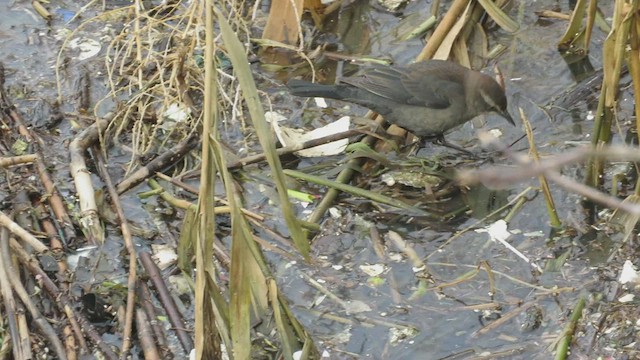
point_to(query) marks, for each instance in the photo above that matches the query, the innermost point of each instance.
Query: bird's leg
(440, 140)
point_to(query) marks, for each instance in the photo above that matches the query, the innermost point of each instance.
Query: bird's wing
(382, 81)
(408, 85)
(439, 90)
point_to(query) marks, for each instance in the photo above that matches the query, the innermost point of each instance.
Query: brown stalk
(40, 321)
(144, 298)
(79, 322)
(168, 158)
(167, 301)
(21, 233)
(442, 30)
(57, 246)
(544, 184)
(53, 195)
(344, 177)
(498, 176)
(10, 313)
(131, 250)
(291, 149)
(17, 160)
(145, 334)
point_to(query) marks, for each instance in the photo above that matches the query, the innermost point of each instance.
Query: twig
(167, 301)
(544, 184)
(39, 320)
(497, 176)
(553, 15)
(191, 189)
(166, 159)
(144, 298)
(17, 160)
(146, 336)
(447, 22)
(7, 297)
(344, 177)
(357, 191)
(131, 250)
(542, 289)
(291, 149)
(57, 205)
(503, 319)
(479, 222)
(23, 234)
(592, 194)
(62, 300)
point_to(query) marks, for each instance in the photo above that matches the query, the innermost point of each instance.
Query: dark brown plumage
(427, 98)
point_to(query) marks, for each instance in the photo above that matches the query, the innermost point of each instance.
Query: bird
(427, 98)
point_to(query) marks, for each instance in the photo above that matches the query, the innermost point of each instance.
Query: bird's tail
(309, 89)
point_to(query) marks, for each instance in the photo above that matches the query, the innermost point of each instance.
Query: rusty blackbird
(427, 98)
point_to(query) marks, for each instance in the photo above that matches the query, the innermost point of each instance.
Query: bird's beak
(505, 114)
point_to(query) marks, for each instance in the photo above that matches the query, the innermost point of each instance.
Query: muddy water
(448, 322)
(455, 322)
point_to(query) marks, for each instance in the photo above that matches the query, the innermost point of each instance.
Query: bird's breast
(424, 121)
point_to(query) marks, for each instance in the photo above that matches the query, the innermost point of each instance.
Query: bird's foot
(440, 140)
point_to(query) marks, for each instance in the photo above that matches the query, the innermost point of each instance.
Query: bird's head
(487, 96)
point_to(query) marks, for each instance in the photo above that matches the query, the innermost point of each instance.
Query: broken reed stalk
(344, 177)
(574, 38)
(544, 185)
(614, 50)
(569, 330)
